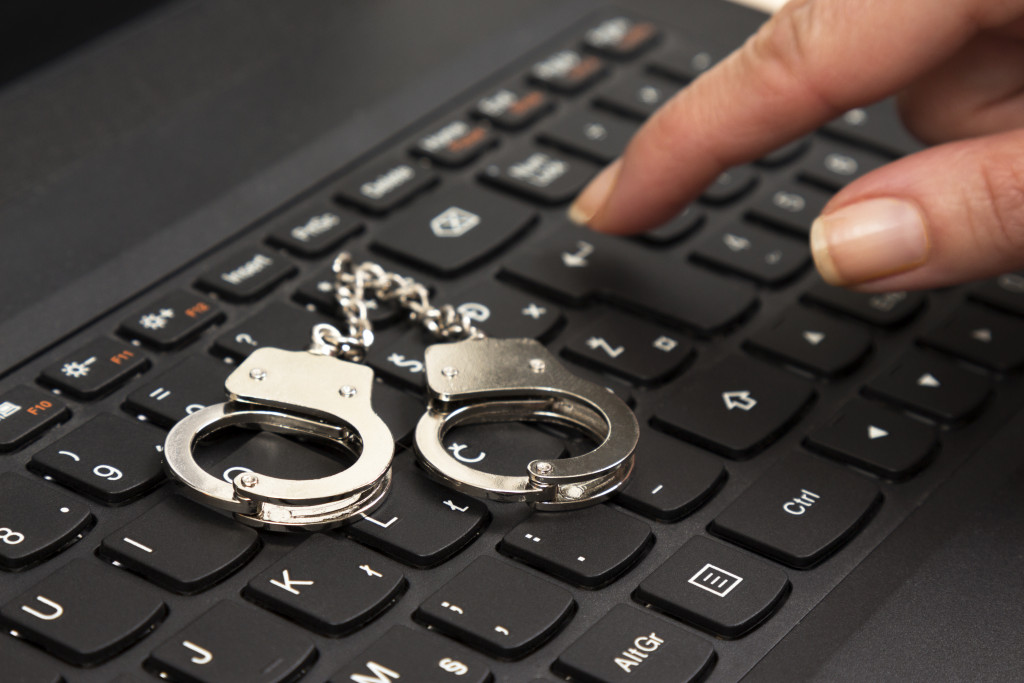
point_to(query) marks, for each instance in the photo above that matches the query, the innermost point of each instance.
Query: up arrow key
(876, 432)
(739, 399)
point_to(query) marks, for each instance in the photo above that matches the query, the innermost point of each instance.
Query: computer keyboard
(787, 427)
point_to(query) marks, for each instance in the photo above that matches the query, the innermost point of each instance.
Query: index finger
(810, 62)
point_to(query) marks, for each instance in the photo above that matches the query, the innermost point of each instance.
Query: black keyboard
(786, 427)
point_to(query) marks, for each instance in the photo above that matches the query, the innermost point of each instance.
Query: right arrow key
(932, 386)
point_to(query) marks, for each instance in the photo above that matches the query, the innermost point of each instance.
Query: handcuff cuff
(324, 394)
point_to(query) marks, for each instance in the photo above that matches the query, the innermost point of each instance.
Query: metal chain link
(354, 284)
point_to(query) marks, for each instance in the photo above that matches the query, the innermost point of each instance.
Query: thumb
(939, 217)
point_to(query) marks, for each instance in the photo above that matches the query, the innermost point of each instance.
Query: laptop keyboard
(786, 426)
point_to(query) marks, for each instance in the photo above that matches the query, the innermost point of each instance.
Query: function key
(629, 642)
(715, 587)
(834, 165)
(329, 586)
(110, 458)
(680, 227)
(420, 656)
(191, 385)
(383, 184)
(569, 70)
(874, 438)
(1005, 292)
(313, 230)
(25, 413)
(233, 643)
(814, 342)
(498, 609)
(636, 95)
(540, 176)
(736, 407)
(683, 61)
(763, 256)
(621, 37)
(181, 546)
(729, 186)
(85, 613)
(247, 275)
(800, 512)
(590, 134)
(981, 336)
(36, 521)
(514, 107)
(278, 325)
(172, 320)
(503, 312)
(454, 229)
(636, 350)
(455, 143)
(882, 310)
(96, 368)
(789, 206)
(932, 386)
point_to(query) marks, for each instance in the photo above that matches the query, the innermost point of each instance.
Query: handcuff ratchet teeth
(308, 393)
(481, 380)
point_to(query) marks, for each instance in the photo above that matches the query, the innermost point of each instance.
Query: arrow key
(981, 336)
(932, 386)
(874, 438)
(818, 343)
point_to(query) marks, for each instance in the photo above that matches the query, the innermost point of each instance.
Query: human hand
(951, 213)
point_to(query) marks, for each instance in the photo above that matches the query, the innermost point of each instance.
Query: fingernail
(868, 240)
(594, 195)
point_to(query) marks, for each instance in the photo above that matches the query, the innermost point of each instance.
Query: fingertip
(594, 196)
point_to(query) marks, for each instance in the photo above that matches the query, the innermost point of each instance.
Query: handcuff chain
(355, 283)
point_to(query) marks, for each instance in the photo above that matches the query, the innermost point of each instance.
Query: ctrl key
(632, 644)
(417, 655)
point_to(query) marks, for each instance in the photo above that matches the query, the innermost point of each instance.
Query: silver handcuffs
(502, 380)
(300, 392)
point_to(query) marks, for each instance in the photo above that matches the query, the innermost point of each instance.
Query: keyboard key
(233, 643)
(421, 523)
(633, 349)
(834, 165)
(514, 107)
(785, 154)
(85, 613)
(628, 642)
(579, 266)
(981, 336)
(191, 385)
(278, 325)
(876, 126)
(506, 313)
(402, 361)
(502, 448)
(729, 186)
(329, 586)
(680, 227)
(683, 61)
(498, 609)
(1005, 292)
(715, 587)
(247, 275)
(313, 229)
(399, 410)
(756, 253)
(932, 386)
(172, 320)
(540, 176)
(636, 95)
(590, 134)
(814, 342)
(420, 656)
(110, 458)
(590, 547)
(568, 71)
(736, 407)
(882, 310)
(800, 512)
(276, 456)
(454, 229)
(876, 439)
(181, 546)
(96, 368)
(24, 664)
(456, 143)
(36, 521)
(621, 37)
(789, 206)
(384, 184)
(670, 479)
(25, 413)
(318, 291)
